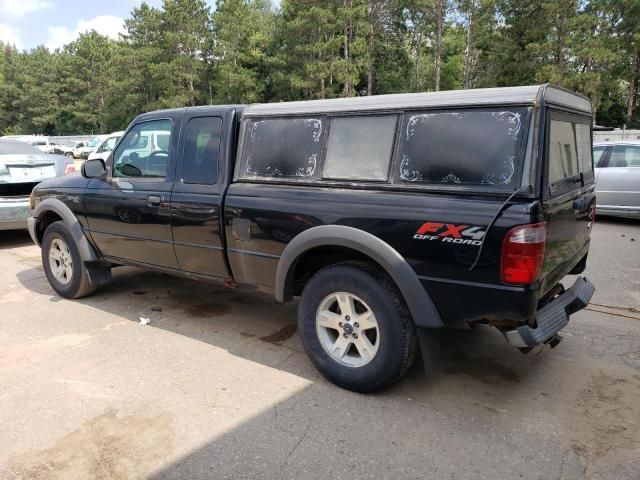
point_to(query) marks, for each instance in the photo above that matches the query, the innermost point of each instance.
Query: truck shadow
(14, 238)
(481, 379)
(253, 326)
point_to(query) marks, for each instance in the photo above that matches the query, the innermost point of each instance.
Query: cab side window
(138, 157)
(201, 151)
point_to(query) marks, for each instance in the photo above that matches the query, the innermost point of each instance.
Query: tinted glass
(134, 156)
(201, 151)
(13, 147)
(598, 158)
(360, 147)
(583, 143)
(284, 147)
(625, 156)
(473, 147)
(563, 157)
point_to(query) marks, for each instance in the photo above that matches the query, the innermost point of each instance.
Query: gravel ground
(217, 386)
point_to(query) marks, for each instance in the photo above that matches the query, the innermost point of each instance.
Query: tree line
(244, 51)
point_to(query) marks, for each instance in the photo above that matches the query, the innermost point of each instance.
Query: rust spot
(281, 335)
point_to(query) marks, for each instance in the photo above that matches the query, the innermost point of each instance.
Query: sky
(54, 23)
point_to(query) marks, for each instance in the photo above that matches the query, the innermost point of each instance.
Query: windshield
(95, 142)
(8, 147)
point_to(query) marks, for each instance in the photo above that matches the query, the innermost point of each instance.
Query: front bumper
(14, 212)
(553, 317)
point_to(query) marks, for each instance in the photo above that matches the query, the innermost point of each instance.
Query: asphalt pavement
(217, 386)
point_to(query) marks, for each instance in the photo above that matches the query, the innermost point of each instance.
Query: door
(569, 194)
(197, 197)
(128, 210)
(618, 186)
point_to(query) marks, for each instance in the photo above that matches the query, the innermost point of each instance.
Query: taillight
(69, 168)
(523, 253)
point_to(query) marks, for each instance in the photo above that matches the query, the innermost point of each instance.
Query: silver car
(618, 178)
(22, 167)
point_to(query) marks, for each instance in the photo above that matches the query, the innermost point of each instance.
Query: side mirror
(93, 168)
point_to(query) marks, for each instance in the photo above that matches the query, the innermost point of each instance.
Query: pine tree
(243, 32)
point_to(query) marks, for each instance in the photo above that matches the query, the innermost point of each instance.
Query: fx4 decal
(450, 233)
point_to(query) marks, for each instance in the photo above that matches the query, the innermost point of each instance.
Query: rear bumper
(553, 317)
(31, 225)
(14, 212)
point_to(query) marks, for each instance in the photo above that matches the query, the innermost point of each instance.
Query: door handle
(153, 201)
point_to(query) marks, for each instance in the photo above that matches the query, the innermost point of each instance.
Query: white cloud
(108, 25)
(10, 35)
(20, 8)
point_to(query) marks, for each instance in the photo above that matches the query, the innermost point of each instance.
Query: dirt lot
(217, 387)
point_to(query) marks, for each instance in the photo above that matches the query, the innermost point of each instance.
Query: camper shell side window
(471, 148)
(569, 157)
(482, 147)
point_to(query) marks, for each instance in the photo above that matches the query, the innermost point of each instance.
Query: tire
(74, 283)
(376, 356)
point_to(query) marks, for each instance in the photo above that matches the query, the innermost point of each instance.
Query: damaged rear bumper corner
(553, 317)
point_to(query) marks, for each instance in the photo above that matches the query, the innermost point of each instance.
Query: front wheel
(62, 263)
(355, 327)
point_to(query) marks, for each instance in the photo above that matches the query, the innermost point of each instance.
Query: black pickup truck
(389, 216)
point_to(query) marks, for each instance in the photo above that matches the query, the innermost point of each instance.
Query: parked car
(58, 149)
(391, 216)
(618, 178)
(106, 146)
(39, 141)
(23, 166)
(78, 146)
(83, 149)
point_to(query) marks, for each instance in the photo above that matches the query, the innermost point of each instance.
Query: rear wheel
(62, 263)
(355, 327)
